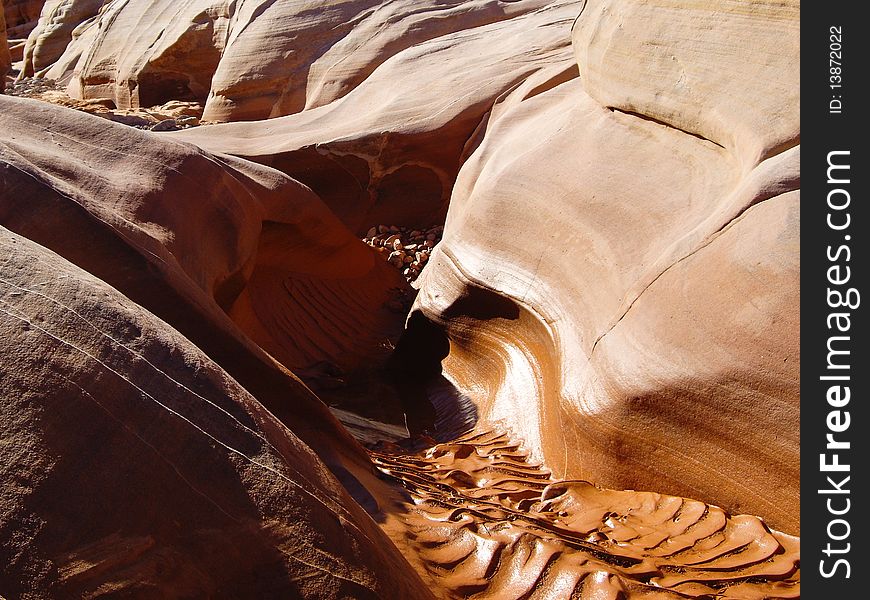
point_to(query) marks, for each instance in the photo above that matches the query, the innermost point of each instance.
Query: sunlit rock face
(58, 24)
(485, 520)
(245, 60)
(388, 151)
(609, 298)
(619, 273)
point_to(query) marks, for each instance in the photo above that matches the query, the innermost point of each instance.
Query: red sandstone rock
(133, 465)
(21, 16)
(619, 271)
(210, 228)
(248, 60)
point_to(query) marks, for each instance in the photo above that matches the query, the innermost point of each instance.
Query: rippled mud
(487, 522)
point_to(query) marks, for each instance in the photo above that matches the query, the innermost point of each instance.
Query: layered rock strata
(248, 60)
(134, 465)
(189, 236)
(616, 285)
(702, 167)
(624, 248)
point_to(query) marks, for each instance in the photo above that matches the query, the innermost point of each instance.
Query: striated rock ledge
(483, 519)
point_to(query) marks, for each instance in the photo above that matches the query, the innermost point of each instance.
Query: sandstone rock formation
(249, 60)
(133, 465)
(484, 520)
(615, 285)
(391, 133)
(257, 229)
(389, 150)
(677, 177)
(636, 264)
(21, 16)
(55, 30)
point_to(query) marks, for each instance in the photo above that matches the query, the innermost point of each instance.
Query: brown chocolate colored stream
(486, 522)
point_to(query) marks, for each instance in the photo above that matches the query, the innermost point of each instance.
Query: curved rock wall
(179, 232)
(616, 286)
(389, 151)
(652, 273)
(106, 406)
(243, 60)
(116, 374)
(57, 26)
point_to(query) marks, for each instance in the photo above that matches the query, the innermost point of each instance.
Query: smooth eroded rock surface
(389, 150)
(597, 202)
(133, 465)
(215, 230)
(56, 28)
(629, 282)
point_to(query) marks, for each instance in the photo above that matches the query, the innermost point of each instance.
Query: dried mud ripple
(489, 523)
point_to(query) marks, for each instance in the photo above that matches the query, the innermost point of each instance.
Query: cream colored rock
(387, 127)
(726, 71)
(388, 151)
(249, 60)
(299, 55)
(54, 31)
(621, 291)
(145, 54)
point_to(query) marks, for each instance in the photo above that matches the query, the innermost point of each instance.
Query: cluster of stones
(171, 116)
(30, 87)
(406, 249)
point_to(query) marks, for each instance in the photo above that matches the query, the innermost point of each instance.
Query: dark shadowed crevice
(433, 406)
(483, 304)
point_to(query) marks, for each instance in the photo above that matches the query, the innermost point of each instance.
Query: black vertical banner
(835, 367)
